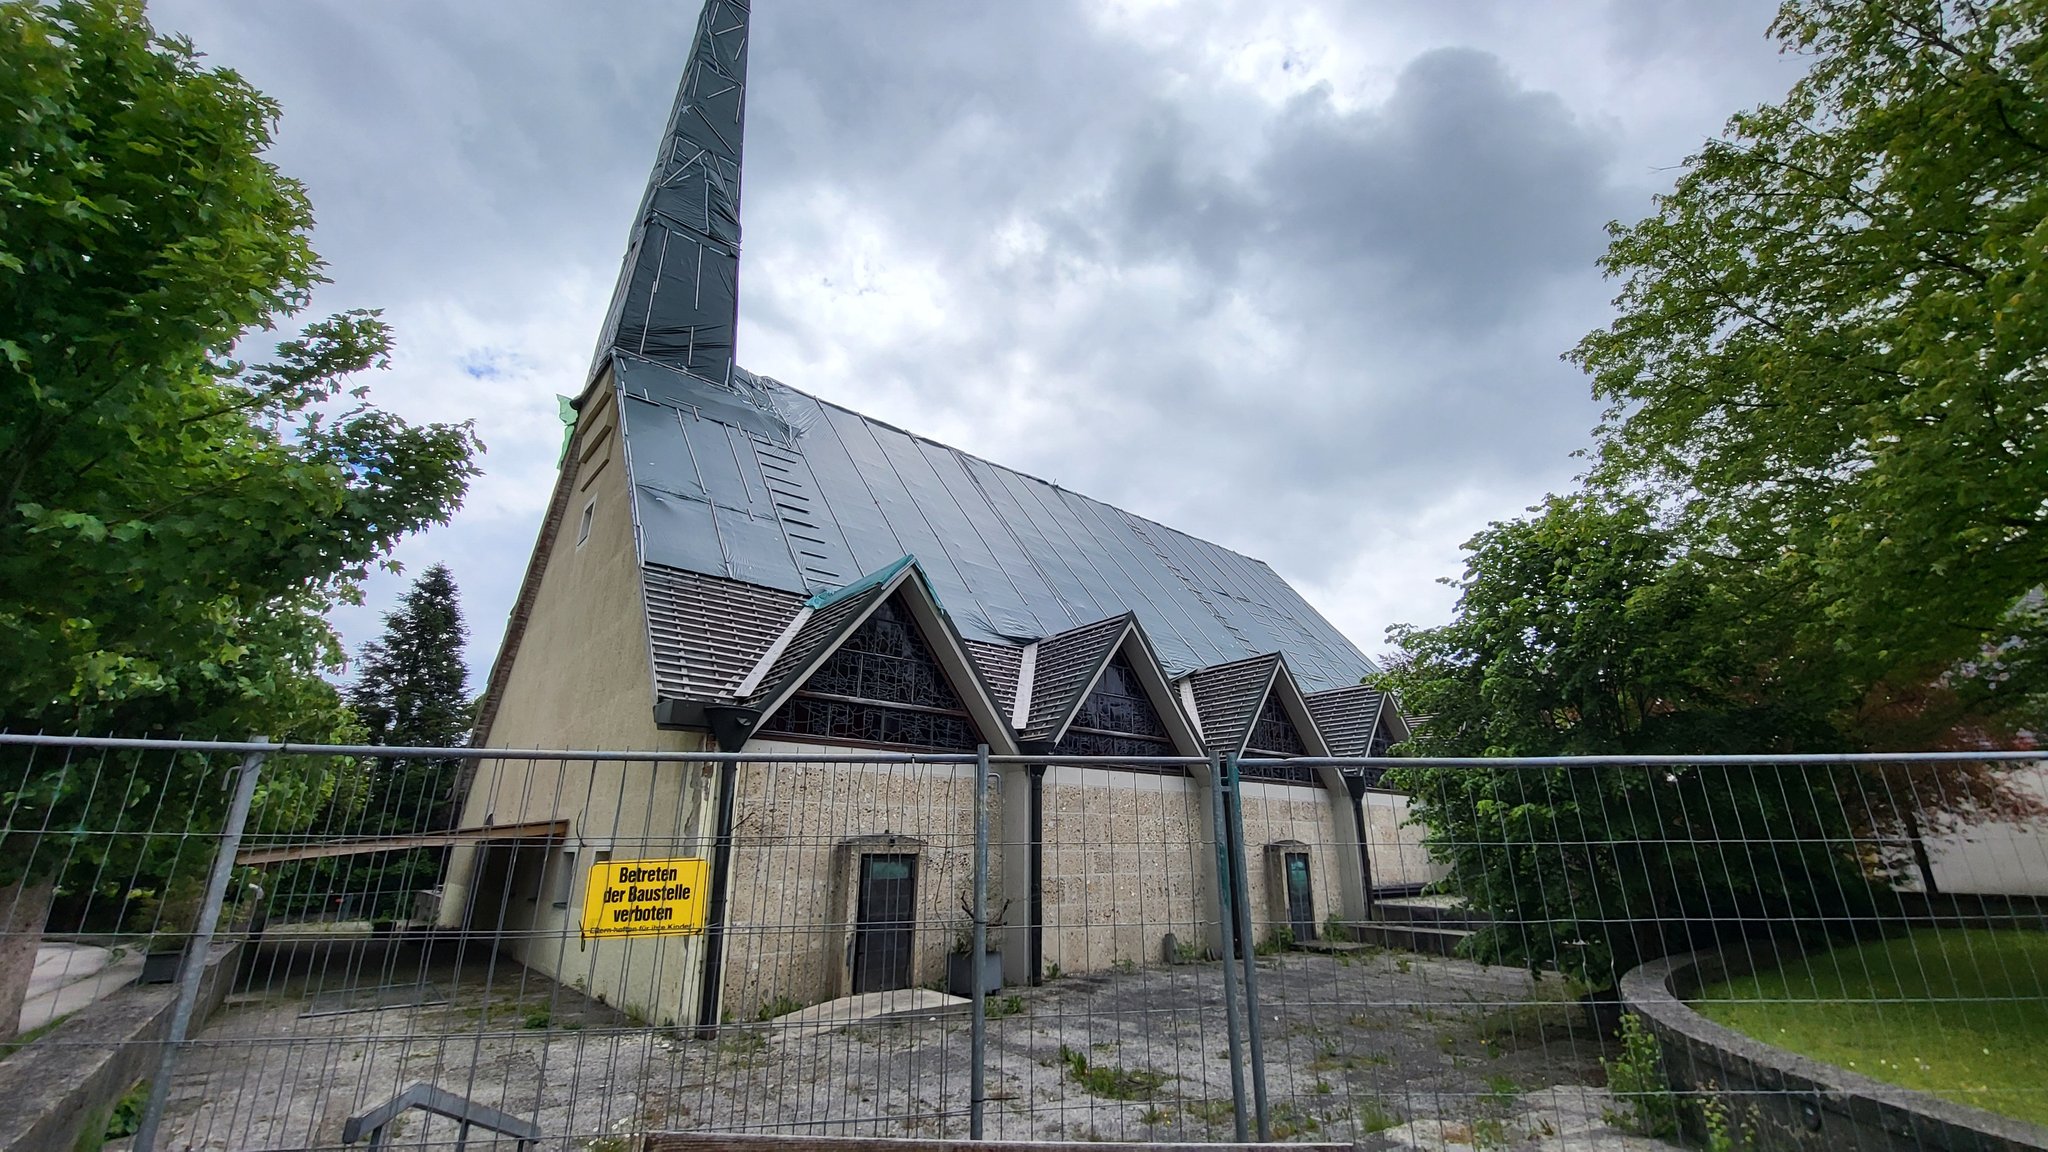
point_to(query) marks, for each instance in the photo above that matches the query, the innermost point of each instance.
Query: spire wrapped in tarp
(677, 299)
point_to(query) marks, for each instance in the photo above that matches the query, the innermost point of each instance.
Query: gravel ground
(1384, 1049)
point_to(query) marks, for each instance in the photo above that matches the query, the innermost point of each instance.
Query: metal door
(882, 928)
(1301, 899)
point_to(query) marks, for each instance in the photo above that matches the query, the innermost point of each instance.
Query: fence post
(977, 1076)
(1226, 919)
(193, 968)
(1249, 950)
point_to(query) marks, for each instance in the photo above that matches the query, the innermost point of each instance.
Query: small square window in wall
(565, 878)
(583, 527)
(569, 879)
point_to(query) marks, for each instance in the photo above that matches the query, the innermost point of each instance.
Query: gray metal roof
(677, 299)
(761, 483)
(751, 497)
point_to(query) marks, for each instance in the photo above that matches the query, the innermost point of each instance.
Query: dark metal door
(1301, 899)
(882, 929)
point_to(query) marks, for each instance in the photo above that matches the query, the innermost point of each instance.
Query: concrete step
(1428, 912)
(1411, 937)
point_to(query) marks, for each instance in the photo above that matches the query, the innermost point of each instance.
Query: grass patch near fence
(1110, 1081)
(1960, 1013)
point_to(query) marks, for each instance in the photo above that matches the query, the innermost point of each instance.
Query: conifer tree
(411, 692)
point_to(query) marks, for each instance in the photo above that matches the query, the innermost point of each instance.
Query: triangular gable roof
(1076, 666)
(1296, 706)
(756, 481)
(829, 618)
(820, 626)
(1228, 698)
(1347, 718)
(1066, 667)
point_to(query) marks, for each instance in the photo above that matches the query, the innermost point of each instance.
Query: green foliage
(1636, 1078)
(1722, 1132)
(1277, 941)
(1592, 628)
(410, 691)
(1828, 354)
(174, 522)
(782, 1005)
(1009, 1005)
(127, 1114)
(1374, 1115)
(1957, 1012)
(1110, 1081)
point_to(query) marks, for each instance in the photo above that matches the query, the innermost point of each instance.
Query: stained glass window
(1118, 719)
(882, 686)
(1273, 734)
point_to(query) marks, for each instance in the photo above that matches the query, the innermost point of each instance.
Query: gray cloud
(1294, 280)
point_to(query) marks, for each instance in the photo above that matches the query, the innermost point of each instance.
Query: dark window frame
(882, 688)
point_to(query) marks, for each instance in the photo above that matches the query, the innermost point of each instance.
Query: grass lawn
(1960, 1013)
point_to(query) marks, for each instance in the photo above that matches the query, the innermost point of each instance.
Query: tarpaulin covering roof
(678, 293)
(764, 484)
(743, 478)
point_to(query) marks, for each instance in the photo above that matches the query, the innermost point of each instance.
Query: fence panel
(514, 940)
(1866, 914)
(1121, 1035)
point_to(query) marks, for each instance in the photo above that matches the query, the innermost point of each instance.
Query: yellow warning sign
(645, 897)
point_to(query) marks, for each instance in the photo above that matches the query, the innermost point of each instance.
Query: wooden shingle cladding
(723, 641)
(707, 632)
(1228, 698)
(1347, 718)
(1067, 667)
(819, 628)
(999, 664)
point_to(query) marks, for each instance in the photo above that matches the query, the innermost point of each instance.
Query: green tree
(1817, 519)
(1585, 630)
(174, 522)
(410, 691)
(1830, 336)
(1589, 628)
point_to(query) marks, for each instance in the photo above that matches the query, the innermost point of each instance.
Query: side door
(884, 923)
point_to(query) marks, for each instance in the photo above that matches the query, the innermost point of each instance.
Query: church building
(729, 564)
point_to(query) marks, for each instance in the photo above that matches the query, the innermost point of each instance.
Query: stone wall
(1395, 846)
(798, 833)
(1126, 860)
(1274, 813)
(58, 1093)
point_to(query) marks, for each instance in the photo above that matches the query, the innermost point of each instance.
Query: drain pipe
(1354, 783)
(1036, 948)
(731, 731)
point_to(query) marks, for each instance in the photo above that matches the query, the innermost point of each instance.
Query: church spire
(677, 301)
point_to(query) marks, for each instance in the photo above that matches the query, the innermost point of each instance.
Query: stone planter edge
(1804, 1103)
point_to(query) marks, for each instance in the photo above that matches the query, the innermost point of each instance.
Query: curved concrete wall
(1789, 1101)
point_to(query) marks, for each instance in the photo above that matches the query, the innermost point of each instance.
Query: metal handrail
(428, 1098)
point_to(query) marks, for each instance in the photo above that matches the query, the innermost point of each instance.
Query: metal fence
(419, 947)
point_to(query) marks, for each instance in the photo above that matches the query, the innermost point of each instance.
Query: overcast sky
(1291, 277)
